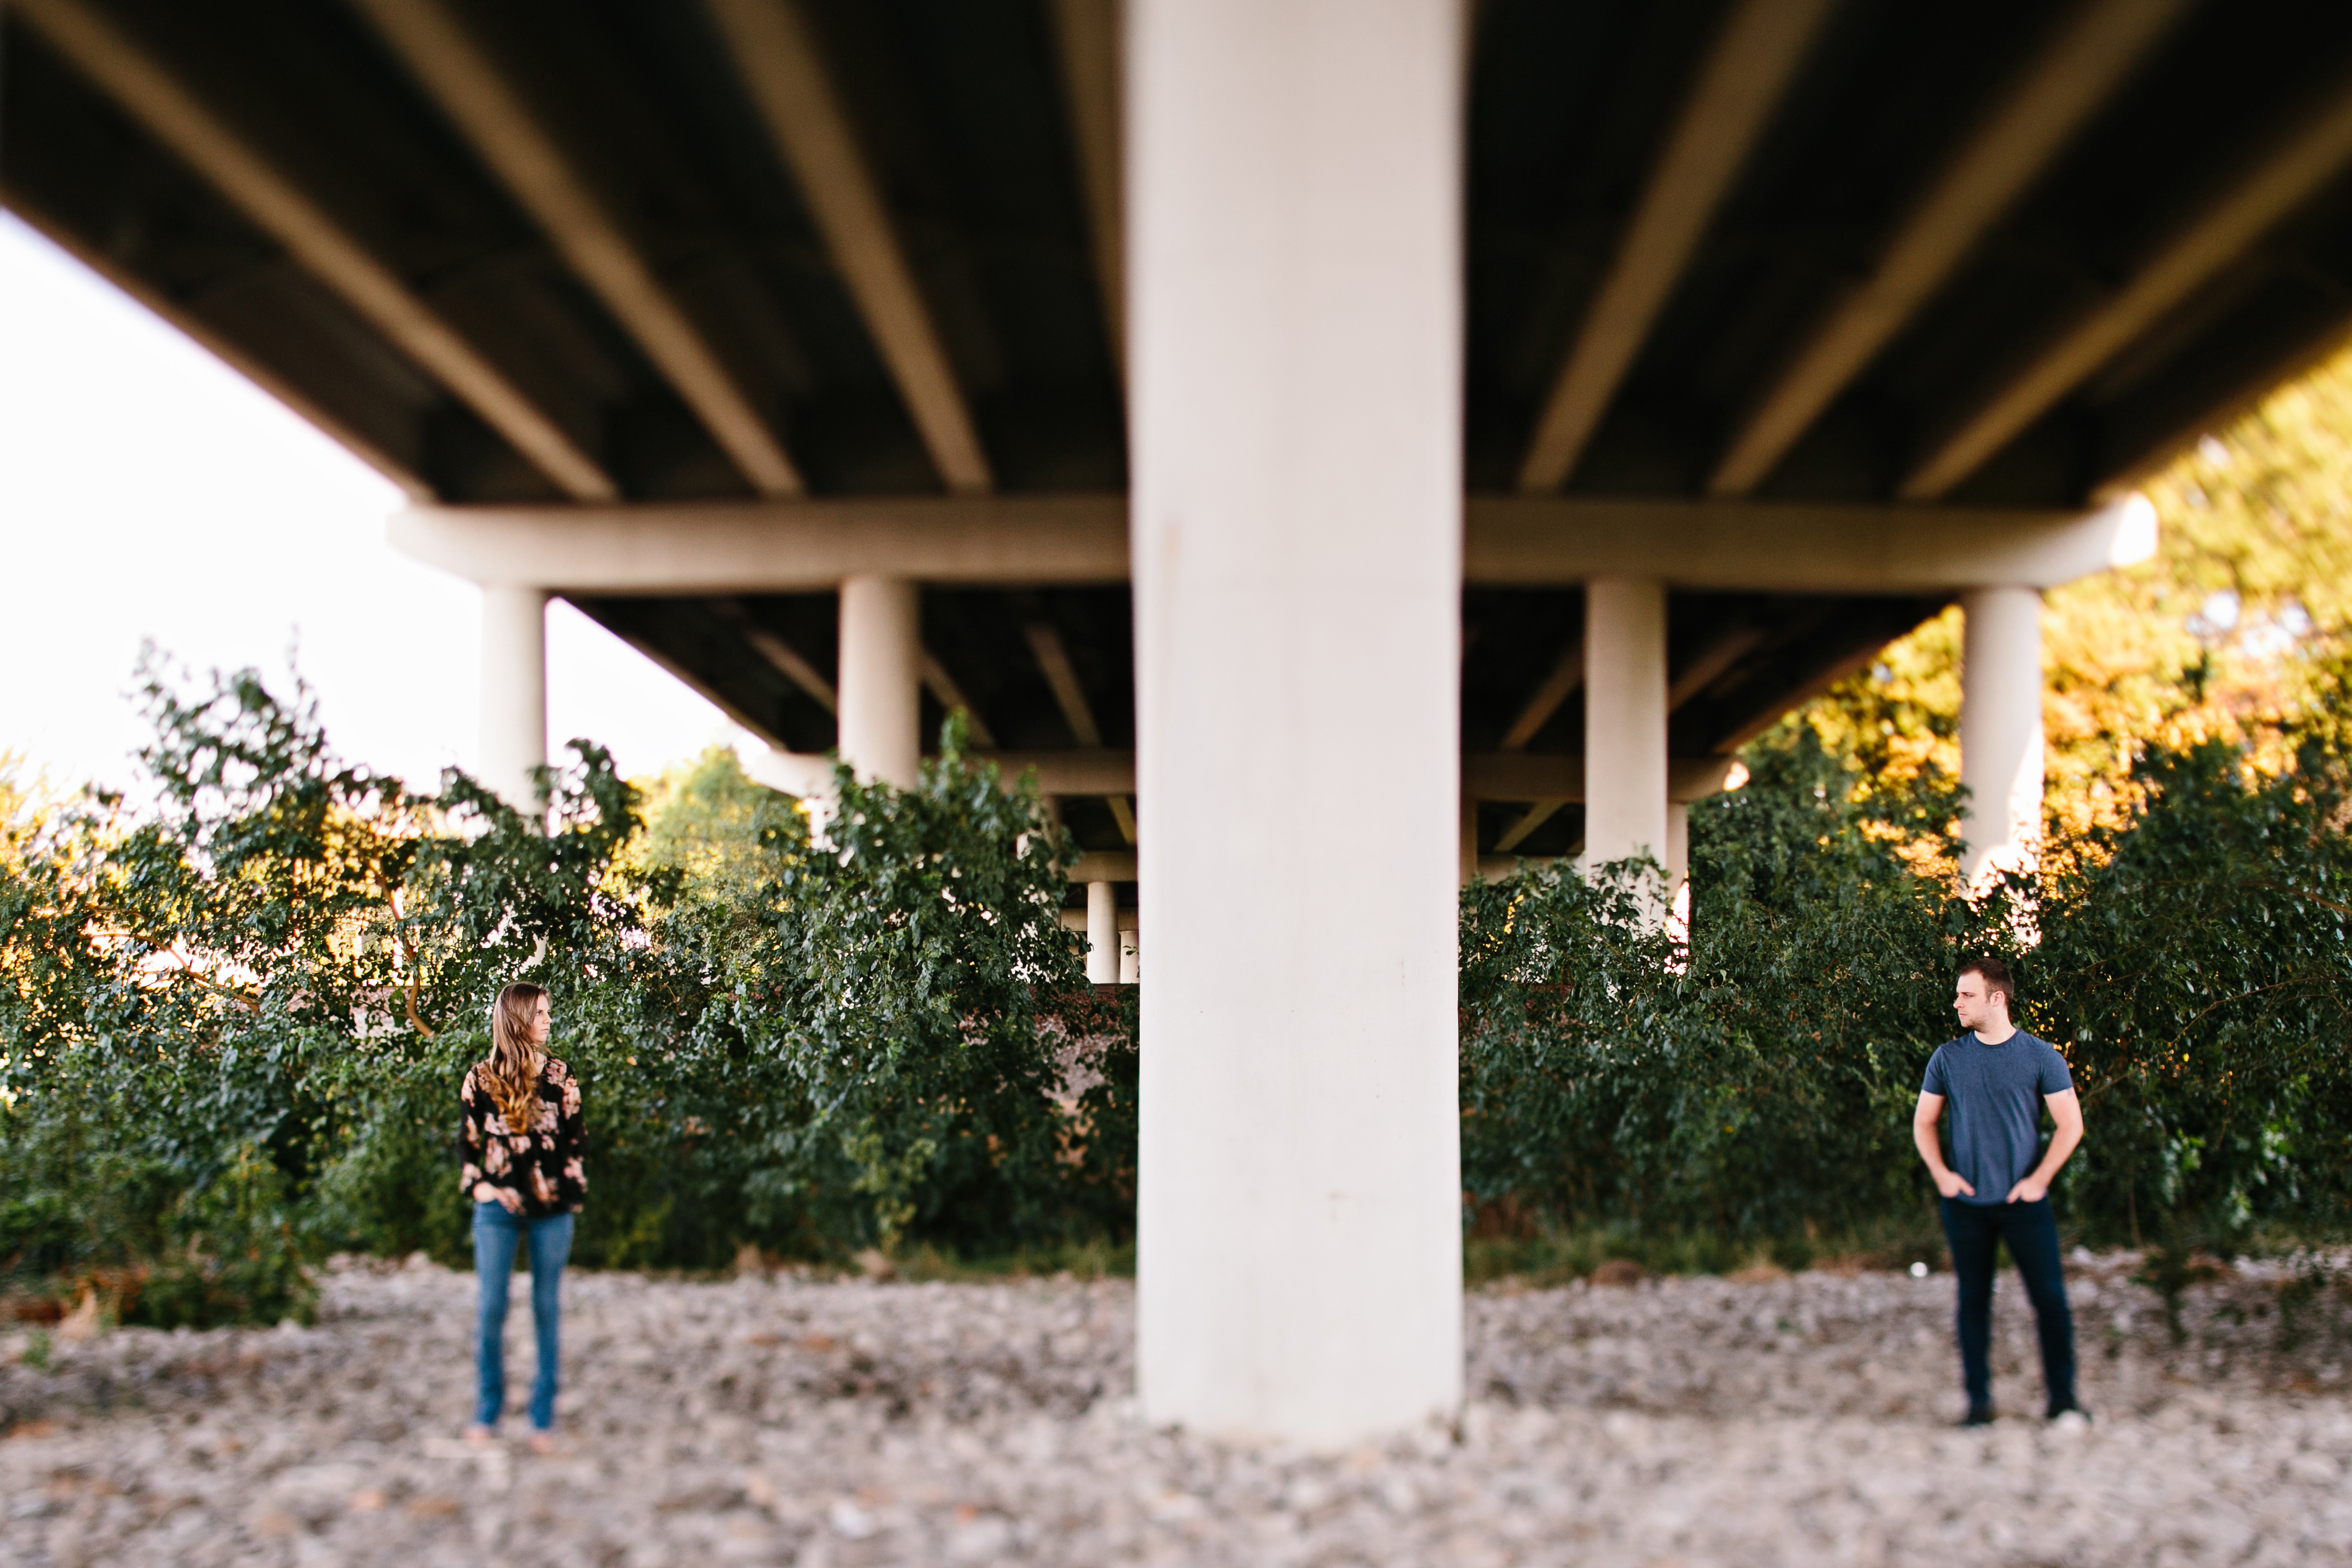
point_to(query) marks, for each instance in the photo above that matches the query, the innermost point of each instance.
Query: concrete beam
(193, 130)
(1054, 662)
(2317, 153)
(1754, 59)
(737, 547)
(1567, 674)
(491, 114)
(2050, 102)
(727, 547)
(1086, 33)
(1101, 772)
(1105, 865)
(787, 660)
(943, 686)
(775, 52)
(1486, 776)
(1796, 548)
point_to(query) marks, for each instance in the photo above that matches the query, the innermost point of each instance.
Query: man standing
(1998, 1079)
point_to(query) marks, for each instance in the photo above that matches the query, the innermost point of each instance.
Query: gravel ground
(779, 1419)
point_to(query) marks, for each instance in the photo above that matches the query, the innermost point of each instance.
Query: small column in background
(1102, 933)
(513, 692)
(881, 732)
(2001, 730)
(1625, 801)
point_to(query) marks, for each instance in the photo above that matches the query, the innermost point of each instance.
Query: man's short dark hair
(1996, 976)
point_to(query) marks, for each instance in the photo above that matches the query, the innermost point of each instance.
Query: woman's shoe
(544, 1444)
(480, 1435)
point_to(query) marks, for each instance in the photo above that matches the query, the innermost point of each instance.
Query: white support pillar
(1102, 933)
(881, 678)
(513, 692)
(1624, 719)
(2000, 729)
(1295, 204)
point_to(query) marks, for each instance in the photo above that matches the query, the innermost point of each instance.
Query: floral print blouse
(533, 1172)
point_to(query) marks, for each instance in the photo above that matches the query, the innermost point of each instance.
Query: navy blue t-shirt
(1993, 1095)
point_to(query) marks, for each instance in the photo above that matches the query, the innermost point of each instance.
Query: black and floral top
(533, 1172)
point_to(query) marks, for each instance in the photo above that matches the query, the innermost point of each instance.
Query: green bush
(1755, 1087)
(233, 1024)
(233, 1029)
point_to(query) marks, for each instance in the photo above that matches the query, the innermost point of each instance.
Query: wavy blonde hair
(512, 1073)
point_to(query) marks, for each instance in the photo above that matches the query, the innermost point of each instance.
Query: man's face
(1971, 1002)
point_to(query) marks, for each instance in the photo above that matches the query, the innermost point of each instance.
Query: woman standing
(524, 1144)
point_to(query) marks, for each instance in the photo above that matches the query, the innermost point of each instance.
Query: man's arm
(2066, 1110)
(1924, 1116)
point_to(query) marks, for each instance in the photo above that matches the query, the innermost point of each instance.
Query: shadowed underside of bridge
(611, 252)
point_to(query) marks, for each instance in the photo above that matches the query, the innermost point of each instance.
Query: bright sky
(147, 491)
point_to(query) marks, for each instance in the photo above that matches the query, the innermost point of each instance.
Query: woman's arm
(474, 1174)
(572, 1142)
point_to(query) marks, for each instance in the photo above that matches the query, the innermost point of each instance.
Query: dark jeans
(550, 1240)
(2031, 1234)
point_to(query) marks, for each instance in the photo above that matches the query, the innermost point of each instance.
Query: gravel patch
(782, 1419)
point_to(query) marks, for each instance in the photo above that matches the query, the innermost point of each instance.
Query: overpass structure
(1338, 442)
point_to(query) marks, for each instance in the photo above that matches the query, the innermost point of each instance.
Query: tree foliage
(2190, 962)
(234, 1024)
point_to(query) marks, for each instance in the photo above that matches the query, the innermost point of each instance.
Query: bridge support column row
(1627, 808)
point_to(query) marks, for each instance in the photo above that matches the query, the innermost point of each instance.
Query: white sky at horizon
(149, 492)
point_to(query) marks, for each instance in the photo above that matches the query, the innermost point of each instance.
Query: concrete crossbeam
(1486, 776)
(1512, 541)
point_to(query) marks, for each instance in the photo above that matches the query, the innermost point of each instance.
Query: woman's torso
(535, 1171)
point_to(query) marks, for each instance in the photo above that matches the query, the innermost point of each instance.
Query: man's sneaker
(1981, 1417)
(2070, 1415)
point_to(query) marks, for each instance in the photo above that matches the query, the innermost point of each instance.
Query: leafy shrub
(1756, 1086)
(233, 1029)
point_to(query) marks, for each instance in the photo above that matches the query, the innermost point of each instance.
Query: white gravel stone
(783, 1419)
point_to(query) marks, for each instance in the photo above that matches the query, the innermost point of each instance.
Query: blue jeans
(2031, 1231)
(549, 1239)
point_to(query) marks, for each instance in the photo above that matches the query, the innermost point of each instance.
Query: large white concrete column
(513, 692)
(2000, 728)
(1294, 198)
(1102, 933)
(881, 694)
(1624, 719)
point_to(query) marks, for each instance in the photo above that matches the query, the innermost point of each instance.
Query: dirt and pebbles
(782, 1419)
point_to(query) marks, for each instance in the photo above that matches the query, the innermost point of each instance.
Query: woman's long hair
(511, 1074)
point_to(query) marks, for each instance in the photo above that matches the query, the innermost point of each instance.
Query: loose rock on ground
(778, 1418)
